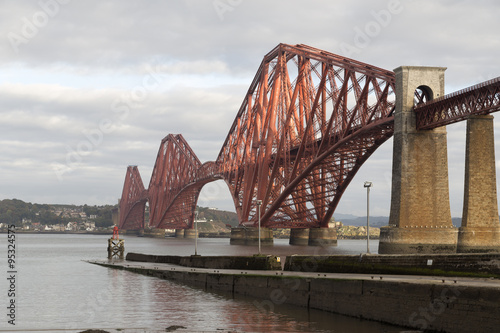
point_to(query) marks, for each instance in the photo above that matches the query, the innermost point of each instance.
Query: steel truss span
(306, 125)
(308, 122)
(133, 201)
(481, 99)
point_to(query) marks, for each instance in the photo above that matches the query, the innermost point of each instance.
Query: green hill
(19, 213)
(216, 215)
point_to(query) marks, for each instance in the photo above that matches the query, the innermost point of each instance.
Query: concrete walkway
(457, 281)
(443, 304)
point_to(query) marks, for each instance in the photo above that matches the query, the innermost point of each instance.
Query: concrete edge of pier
(256, 262)
(419, 302)
(474, 265)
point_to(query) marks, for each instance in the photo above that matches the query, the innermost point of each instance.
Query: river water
(57, 291)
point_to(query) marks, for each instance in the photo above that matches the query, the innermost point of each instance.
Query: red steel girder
(480, 99)
(180, 212)
(309, 120)
(176, 166)
(133, 201)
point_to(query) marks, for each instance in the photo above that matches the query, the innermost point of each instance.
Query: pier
(415, 301)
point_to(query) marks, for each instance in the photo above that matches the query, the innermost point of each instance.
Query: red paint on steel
(133, 201)
(480, 99)
(115, 233)
(308, 122)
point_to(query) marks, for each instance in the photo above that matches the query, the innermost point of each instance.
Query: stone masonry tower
(480, 231)
(420, 218)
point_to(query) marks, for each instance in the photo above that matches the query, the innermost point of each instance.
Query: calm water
(57, 291)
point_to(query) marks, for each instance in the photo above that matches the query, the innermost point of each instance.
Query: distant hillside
(20, 213)
(218, 216)
(346, 219)
(377, 221)
(14, 211)
(213, 227)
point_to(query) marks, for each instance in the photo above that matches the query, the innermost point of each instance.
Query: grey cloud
(65, 80)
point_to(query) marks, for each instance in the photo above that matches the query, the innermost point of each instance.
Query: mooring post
(116, 246)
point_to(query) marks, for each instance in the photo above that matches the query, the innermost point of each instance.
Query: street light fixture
(367, 186)
(259, 203)
(195, 232)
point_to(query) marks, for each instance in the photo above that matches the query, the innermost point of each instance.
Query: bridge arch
(308, 122)
(288, 144)
(423, 94)
(133, 201)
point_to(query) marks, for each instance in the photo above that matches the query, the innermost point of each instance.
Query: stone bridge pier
(420, 219)
(480, 230)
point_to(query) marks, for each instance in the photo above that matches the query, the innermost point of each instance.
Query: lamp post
(195, 232)
(367, 186)
(259, 203)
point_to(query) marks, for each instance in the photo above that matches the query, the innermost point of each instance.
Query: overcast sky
(89, 87)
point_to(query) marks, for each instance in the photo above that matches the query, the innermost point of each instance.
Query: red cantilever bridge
(308, 122)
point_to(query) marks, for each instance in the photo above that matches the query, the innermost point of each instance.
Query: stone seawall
(427, 264)
(424, 305)
(266, 262)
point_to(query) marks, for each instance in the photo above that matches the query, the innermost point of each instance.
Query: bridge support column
(189, 233)
(137, 232)
(299, 236)
(155, 233)
(480, 231)
(179, 233)
(250, 236)
(420, 218)
(322, 237)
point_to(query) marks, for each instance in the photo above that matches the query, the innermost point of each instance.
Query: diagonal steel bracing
(133, 201)
(308, 122)
(481, 99)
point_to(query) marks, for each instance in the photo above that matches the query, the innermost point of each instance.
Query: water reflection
(174, 304)
(217, 246)
(57, 290)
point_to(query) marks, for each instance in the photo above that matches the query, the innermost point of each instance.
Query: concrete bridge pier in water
(189, 233)
(420, 218)
(313, 236)
(298, 236)
(185, 233)
(250, 236)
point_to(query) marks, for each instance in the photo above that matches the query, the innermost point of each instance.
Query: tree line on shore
(19, 213)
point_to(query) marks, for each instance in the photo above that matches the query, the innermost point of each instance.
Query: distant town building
(335, 224)
(71, 226)
(89, 226)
